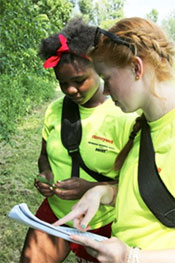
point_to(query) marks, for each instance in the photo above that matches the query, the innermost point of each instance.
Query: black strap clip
(73, 150)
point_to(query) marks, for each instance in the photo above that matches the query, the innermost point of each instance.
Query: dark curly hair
(80, 37)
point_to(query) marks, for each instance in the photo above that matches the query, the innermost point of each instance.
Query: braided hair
(126, 149)
(150, 42)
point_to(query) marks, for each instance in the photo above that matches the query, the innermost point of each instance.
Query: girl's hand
(86, 208)
(72, 188)
(111, 250)
(43, 183)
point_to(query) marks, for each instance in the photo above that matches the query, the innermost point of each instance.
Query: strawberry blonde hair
(150, 43)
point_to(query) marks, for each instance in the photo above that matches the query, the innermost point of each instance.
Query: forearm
(93, 184)
(43, 163)
(114, 182)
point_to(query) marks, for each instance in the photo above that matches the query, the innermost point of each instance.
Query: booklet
(23, 215)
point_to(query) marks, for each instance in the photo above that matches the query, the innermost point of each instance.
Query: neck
(97, 99)
(160, 102)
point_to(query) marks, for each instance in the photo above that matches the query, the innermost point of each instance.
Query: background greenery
(24, 82)
(25, 91)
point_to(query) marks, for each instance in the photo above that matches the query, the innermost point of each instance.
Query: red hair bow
(53, 61)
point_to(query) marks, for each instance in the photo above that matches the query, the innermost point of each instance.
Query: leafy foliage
(19, 96)
(169, 25)
(24, 82)
(103, 12)
(24, 23)
(57, 11)
(153, 15)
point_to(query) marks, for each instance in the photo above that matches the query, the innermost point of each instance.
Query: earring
(137, 77)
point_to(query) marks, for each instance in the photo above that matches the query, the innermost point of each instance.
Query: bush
(24, 81)
(19, 96)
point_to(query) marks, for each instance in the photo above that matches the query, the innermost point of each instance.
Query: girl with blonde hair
(135, 60)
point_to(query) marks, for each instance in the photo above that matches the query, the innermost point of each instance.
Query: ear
(138, 67)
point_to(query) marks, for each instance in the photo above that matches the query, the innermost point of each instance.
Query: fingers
(83, 221)
(88, 207)
(93, 247)
(67, 218)
(66, 184)
(73, 182)
(39, 184)
(77, 223)
(79, 216)
(88, 242)
(66, 194)
(82, 212)
(67, 191)
(96, 249)
(46, 193)
(72, 188)
(43, 188)
(73, 194)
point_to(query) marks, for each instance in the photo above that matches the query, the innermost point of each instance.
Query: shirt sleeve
(52, 114)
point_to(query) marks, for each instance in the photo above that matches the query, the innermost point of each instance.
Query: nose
(71, 90)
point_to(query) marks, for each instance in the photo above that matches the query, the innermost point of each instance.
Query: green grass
(18, 167)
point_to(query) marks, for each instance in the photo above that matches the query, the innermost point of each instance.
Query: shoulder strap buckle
(72, 151)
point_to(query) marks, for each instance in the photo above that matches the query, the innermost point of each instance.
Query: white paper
(22, 214)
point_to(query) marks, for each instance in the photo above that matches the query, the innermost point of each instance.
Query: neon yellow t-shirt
(105, 129)
(135, 224)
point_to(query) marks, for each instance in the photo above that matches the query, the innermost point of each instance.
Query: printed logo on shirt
(159, 170)
(102, 139)
(100, 147)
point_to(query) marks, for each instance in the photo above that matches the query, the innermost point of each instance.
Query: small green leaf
(44, 180)
(51, 181)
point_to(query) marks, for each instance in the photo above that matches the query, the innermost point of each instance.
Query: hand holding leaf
(44, 183)
(44, 180)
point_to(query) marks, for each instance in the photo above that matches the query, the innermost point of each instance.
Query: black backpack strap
(97, 176)
(152, 189)
(71, 133)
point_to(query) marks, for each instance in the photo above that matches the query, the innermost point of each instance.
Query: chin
(125, 110)
(78, 101)
(120, 106)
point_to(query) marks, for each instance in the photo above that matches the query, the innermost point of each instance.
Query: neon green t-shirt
(105, 129)
(135, 224)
